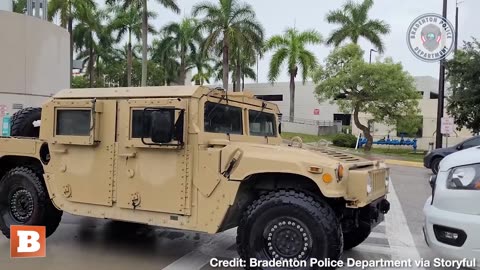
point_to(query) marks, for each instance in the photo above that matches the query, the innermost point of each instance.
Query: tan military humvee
(187, 157)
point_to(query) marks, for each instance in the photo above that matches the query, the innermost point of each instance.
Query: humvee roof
(133, 92)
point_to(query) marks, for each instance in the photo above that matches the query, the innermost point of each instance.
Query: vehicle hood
(310, 154)
(444, 151)
(464, 157)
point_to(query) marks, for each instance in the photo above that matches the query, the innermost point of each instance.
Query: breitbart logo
(27, 241)
(430, 37)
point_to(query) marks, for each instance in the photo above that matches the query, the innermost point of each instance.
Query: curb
(404, 163)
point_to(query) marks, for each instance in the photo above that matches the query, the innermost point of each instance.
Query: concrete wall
(6, 5)
(305, 100)
(34, 61)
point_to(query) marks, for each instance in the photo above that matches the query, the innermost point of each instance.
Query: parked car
(432, 159)
(452, 214)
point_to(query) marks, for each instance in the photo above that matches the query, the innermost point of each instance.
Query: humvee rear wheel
(289, 225)
(24, 200)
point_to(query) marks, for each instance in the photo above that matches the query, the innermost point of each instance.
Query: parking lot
(85, 243)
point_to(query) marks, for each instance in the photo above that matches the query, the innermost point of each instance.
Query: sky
(278, 15)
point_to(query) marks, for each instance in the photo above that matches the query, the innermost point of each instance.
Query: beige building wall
(34, 61)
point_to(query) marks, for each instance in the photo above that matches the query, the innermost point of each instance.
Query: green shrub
(345, 140)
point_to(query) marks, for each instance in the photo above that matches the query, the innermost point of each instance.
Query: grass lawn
(393, 153)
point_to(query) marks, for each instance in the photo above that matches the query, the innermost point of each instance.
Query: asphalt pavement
(86, 243)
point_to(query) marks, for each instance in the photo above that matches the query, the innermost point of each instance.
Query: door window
(220, 118)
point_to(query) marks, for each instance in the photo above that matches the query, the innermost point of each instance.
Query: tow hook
(384, 206)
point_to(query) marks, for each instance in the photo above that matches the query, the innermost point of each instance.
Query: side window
(471, 143)
(220, 118)
(262, 124)
(73, 122)
(141, 126)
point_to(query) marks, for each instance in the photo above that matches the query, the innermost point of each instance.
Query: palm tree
(165, 55)
(90, 37)
(354, 23)
(228, 22)
(186, 37)
(66, 9)
(129, 21)
(290, 48)
(202, 63)
(170, 4)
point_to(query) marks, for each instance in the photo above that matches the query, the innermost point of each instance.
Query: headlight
(465, 177)
(369, 185)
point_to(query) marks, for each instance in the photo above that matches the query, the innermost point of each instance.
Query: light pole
(371, 50)
(441, 92)
(456, 26)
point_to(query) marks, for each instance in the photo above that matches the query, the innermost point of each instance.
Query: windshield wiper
(264, 105)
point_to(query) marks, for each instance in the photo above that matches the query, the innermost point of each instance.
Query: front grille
(378, 180)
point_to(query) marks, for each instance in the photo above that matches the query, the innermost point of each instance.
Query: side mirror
(280, 128)
(162, 125)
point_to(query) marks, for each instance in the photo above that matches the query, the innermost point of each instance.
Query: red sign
(27, 241)
(3, 110)
(316, 112)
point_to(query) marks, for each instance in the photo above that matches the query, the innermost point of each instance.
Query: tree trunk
(90, 67)
(363, 128)
(238, 74)
(292, 96)
(70, 32)
(182, 73)
(129, 59)
(226, 44)
(144, 42)
(243, 82)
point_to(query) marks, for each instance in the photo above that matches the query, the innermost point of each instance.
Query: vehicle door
(152, 157)
(81, 148)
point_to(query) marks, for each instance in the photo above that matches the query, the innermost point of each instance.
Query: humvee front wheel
(356, 236)
(289, 225)
(24, 200)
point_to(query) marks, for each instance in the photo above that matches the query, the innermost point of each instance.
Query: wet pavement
(86, 243)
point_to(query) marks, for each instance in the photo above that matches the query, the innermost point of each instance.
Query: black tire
(24, 200)
(310, 225)
(22, 123)
(356, 236)
(435, 165)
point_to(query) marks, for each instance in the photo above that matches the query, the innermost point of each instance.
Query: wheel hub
(287, 238)
(21, 205)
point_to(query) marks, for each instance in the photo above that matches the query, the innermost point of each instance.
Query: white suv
(452, 213)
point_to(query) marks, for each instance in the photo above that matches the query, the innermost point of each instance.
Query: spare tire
(22, 123)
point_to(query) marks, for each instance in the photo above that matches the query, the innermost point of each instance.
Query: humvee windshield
(221, 118)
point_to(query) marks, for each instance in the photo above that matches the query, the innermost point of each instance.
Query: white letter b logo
(28, 241)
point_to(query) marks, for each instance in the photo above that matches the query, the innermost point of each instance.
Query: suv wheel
(24, 200)
(436, 164)
(289, 225)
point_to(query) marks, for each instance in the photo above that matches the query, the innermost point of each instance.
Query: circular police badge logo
(430, 37)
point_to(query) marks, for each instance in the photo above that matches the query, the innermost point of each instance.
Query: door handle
(128, 155)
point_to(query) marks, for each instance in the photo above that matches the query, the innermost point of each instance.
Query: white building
(34, 61)
(307, 108)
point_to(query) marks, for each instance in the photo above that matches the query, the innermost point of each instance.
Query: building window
(345, 118)
(221, 118)
(270, 97)
(73, 122)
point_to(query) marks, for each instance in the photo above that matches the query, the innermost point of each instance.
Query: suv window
(220, 118)
(262, 124)
(471, 143)
(73, 122)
